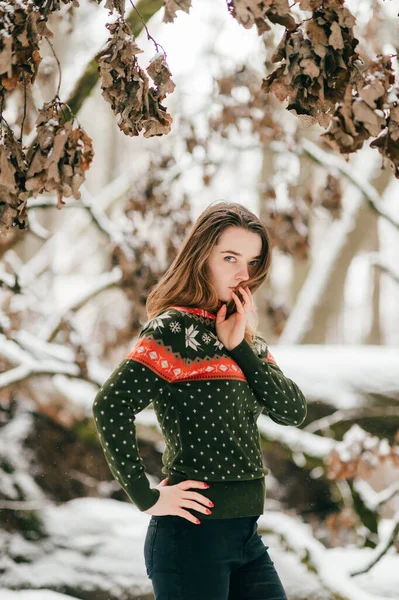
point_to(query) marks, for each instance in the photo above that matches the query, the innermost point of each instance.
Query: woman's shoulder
(168, 323)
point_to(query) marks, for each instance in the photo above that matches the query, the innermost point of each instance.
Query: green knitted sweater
(207, 400)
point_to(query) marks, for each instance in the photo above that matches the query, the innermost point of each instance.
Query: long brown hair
(186, 282)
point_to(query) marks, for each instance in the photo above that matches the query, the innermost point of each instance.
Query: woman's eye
(254, 261)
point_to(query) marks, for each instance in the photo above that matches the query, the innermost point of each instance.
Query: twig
(59, 66)
(24, 115)
(377, 262)
(149, 36)
(382, 548)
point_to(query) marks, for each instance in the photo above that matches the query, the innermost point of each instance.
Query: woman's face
(233, 260)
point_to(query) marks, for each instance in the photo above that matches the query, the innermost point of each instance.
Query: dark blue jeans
(220, 559)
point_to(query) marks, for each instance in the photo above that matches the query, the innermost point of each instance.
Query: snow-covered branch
(354, 414)
(386, 542)
(334, 161)
(22, 372)
(374, 500)
(103, 282)
(28, 364)
(99, 218)
(9, 281)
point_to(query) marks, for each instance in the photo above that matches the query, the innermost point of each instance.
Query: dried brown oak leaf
(21, 30)
(118, 5)
(171, 8)
(316, 65)
(331, 196)
(13, 194)
(290, 231)
(345, 133)
(254, 12)
(159, 72)
(125, 85)
(60, 157)
(361, 115)
(388, 140)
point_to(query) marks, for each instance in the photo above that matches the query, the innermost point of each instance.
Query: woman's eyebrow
(237, 253)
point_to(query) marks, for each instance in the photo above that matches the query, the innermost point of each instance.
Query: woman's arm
(138, 380)
(284, 402)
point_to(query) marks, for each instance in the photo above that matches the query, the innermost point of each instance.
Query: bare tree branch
(333, 161)
(103, 282)
(377, 262)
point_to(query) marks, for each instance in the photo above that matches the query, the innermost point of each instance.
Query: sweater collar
(202, 312)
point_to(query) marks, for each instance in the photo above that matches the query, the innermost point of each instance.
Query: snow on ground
(32, 595)
(335, 565)
(95, 546)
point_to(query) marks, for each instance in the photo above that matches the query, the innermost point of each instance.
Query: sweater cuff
(246, 358)
(141, 494)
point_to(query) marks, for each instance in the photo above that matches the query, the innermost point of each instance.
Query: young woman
(209, 375)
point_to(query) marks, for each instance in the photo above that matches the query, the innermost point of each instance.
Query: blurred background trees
(120, 124)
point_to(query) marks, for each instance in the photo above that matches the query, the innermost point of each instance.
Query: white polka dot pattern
(281, 398)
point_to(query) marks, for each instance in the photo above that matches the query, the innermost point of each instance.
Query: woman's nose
(243, 275)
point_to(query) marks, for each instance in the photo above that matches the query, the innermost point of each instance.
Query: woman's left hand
(231, 331)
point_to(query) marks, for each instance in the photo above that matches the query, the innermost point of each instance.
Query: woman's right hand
(231, 331)
(173, 497)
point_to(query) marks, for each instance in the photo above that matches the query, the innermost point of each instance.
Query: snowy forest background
(81, 249)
